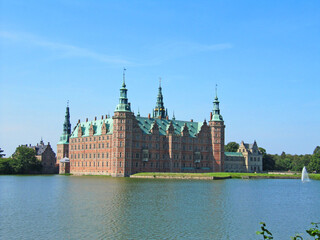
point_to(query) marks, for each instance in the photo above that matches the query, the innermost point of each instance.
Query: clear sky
(264, 55)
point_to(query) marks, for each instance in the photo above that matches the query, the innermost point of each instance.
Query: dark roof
(248, 146)
(39, 148)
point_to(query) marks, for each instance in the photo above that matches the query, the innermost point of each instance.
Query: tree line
(285, 162)
(23, 161)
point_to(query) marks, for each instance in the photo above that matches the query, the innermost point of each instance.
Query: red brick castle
(126, 143)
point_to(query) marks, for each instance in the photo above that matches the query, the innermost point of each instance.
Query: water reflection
(62, 207)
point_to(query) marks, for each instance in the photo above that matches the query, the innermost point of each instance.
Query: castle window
(137, 164)
(82, 164)
(86, 146)
(101, 164)
(120, 154)
(102, 155)
(120, 144)
(99, 145)
(86, 163)
(94, 146)
(89, 164)
(107, 137)
(137, 155)
(102, 145)
(151, 164)
(98, 155)
(90, 139)
(78, 155)
(120, 164)
(107, 164)
(107, 155)
(82, 155)
(90, 146)
(107, 145)
(90, 155)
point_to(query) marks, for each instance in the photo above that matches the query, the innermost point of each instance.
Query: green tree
(5, 166)
(1, 153)
(24, 160)
(314, 164)
(267, 160)
(231, 147)
(316, 150)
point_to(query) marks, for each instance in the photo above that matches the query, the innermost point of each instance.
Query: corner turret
(216, 116)
(124, 105)
(64, 138)
(63, 144)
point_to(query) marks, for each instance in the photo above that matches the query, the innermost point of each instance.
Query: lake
(89, 207)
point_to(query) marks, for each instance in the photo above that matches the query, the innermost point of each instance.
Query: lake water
(70, 207)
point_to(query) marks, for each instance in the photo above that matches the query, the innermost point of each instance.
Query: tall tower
(63, 144)
(122, 135)
(159, 111)
(217, 126)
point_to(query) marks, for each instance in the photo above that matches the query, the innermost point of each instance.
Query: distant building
(126, 143)
(248, 158)
(46, 156)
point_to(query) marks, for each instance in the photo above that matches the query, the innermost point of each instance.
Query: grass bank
(222, 175)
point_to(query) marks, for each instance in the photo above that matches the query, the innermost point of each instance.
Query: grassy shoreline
(222, 175)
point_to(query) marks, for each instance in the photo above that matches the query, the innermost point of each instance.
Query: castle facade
(126, 143)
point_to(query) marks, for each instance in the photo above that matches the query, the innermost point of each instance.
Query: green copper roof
(124, 105)
(160, 110)
(97, 125)
(64, 138)
(146, 124)
(233, 154)
(216, 116)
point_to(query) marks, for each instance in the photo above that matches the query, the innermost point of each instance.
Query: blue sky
(264, 56)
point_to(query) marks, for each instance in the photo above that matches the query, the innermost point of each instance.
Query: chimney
(95, 118)
(167, 117)
(78, 120)
(149, 116)
(86, 119)
(210, 116)
(191, 120)
(49, 143)
(106, 116)
(102, 117)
